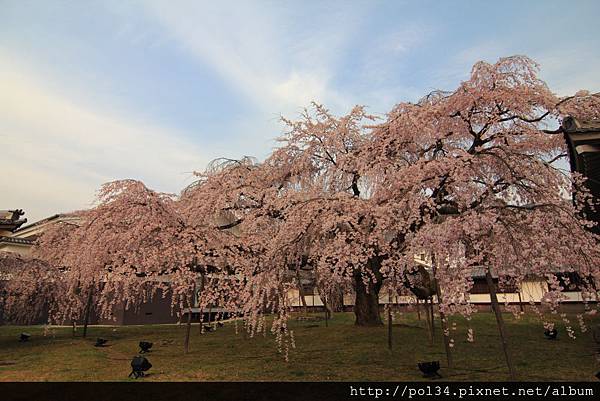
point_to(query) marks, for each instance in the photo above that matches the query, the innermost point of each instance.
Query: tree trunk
(501, 327)
(88, 307)
(186, 344)
(366, 305)
(389, 319)
(428, 319)
(301, 292)
(201, 314)
(324, 299)
(443, 318)
(418, 309)
(336, 301)
(432, 315)
(446, 337)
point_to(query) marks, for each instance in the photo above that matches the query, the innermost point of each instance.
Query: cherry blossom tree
(126, 248)
(307, 204)
(476, 172)
(472, 178)
(228, 200)
(28, 288)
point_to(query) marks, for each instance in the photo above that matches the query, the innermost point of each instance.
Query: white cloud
(448, 75)
(567, 70)
(258, 51)
(56, 153)
(385, 66)
(566, 67)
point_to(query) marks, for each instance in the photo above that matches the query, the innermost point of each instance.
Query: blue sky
(92, 91)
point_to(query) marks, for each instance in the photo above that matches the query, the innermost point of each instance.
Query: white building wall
(531, 291)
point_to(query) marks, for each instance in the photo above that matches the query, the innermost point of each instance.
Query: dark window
(480, 287)
(570, 281)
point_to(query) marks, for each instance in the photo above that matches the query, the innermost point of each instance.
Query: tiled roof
(12, 224)
(15, 240)
(60, 217)
(573, 125)
(583, 139)
(37, 223)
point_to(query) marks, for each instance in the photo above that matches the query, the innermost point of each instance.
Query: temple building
(583, 141)
(10, 221)
(18, 238)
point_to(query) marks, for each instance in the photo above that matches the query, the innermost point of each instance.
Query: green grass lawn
(340, 352)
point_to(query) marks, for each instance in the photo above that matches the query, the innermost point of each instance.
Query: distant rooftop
(583, 140)
(10, 219)
(574, 125)
(15, 240)
(48, 219)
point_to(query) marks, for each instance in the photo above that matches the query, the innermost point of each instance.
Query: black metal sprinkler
(100, 342)
(145, 346)
(139, 365)
(430, 369)
(551, 334)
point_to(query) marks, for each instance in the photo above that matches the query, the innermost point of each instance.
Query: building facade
(18, 237)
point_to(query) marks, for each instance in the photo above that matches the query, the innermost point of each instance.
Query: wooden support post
(443, 319)
(186, 344)
(389, 318)
(501, 326)
(520, 299)
(88, 307)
